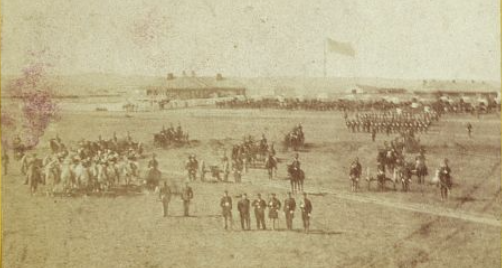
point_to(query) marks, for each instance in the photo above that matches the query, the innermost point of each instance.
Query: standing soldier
(444, 179)
(274, 205)
(306, 208)
(225, 168)
(191, 166)
(243, 207)
(226, 206)
(165, 197)
(35, 173)
(355, 173)
(259, 212)
(186, 196)
(5, 162)
(289, 210)
(373, 133)
(469, 129)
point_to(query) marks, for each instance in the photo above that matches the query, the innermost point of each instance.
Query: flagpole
(325, 47)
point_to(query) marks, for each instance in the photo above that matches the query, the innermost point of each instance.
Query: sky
(405, 39)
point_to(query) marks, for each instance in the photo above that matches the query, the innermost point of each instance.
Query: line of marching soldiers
(260, 205)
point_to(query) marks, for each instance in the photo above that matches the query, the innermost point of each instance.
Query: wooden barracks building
(193, 87)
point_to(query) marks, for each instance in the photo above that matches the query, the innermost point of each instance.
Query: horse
(152, 178)
(52, 175)
(296, 178)
(83, 177)
(67, 175)
(271, 165)
(387, 158)
(106, 176)
(293, 140)
(128, 170)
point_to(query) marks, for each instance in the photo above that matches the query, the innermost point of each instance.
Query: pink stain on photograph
(39, 107)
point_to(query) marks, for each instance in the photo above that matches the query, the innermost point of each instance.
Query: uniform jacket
(165, 194)
(243, 206)
(306, 206)
(289, 204)
(226, 203)
(259, 205)
(187, 194)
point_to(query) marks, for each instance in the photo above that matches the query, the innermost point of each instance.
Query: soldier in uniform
(274, 205)
(289, 210)
(306, 208)
(5, 162)
(165, 197)
(373, 133)
(355, 173)
(225, 168)
(226, 206)
(444, 179)
(192, 165)
(259, 211)
(186, 196)
(469, 129)
(35, 173)
(244, 206)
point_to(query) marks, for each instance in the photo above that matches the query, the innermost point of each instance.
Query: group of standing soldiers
(165, 194)
(260, 205)
(390, 122)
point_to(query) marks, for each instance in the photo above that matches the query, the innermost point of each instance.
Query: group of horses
(395, 168)
(170, 136)
(92, 166)
(252, 154)
(66, 175)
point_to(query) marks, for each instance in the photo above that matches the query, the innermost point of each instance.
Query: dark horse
(294, 140)
(271, 165)
(296, 178)
(387, 158)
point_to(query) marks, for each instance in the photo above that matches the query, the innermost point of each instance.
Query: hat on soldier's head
(273, 194)
(259, 195)
(304, 193)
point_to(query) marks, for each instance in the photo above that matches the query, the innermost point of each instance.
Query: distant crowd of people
(439, 105)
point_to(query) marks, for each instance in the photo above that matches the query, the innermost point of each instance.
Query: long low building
(193, 87)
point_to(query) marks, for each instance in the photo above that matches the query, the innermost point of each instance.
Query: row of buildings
(186, 87)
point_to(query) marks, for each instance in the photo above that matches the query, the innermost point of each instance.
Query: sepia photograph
(279, 134)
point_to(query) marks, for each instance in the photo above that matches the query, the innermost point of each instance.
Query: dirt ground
(365, 229)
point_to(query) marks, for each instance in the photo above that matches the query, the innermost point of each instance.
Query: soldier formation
(391, 122)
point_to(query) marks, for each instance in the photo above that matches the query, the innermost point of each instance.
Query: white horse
(52, 175)
(67, 176)
(83, 176)
(129, 170)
